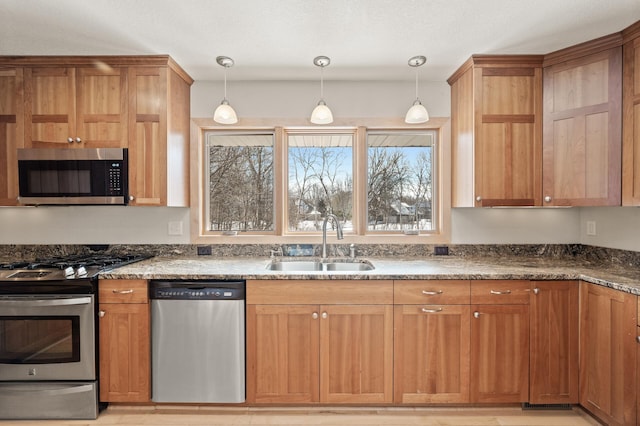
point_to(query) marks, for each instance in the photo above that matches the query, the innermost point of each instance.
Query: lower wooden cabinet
(499, 341)
(124, 330)
(337, 351)
(554, 342)
(608, 322)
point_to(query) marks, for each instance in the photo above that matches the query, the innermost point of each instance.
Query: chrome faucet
(324, 233)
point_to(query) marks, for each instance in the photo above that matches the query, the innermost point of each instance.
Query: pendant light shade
(321, 114)
(225, 114)
(417, 113)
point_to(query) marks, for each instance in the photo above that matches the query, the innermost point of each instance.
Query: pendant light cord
(225, 83)
(416, 82)
(322, 83)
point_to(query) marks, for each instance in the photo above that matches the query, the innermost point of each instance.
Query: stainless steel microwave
(67, 176)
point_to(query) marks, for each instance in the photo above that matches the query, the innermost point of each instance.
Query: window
(240, 182)
(280, 183)
(320, 179)
(400, 181)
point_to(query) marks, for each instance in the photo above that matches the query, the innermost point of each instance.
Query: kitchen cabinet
(159, 129)
(328, 341)
(608, 322)
(631, 116)
(431, 341)
(124, 341)
(500, 341)
(496, 125)
(69, 107)
(554, 340)
(582, 125)
(11, 131)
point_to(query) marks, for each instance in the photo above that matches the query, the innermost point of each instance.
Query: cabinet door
(148, 135)
(508, 128)
(500, 353)
(11, 132)
(631, 124)
(356, 353)
(125, 366)
(431, 356)
(582, 131)
(608, 353)
(282, 353)
(50, 110)
(554, 343)
(102, 107)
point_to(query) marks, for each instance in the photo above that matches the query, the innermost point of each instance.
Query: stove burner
(29, 274)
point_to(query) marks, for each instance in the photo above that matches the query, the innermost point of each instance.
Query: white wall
(616, 227)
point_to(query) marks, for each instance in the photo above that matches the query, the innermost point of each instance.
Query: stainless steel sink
(310, 266)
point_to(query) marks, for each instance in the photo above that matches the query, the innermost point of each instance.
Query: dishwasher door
(198, 351)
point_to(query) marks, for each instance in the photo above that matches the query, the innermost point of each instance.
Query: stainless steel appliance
(48, 345)
(198, 341)
(73, 176)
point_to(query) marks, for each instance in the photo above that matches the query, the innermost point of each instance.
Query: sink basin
(310, 266)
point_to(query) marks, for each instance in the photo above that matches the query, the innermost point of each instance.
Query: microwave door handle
(45, 302)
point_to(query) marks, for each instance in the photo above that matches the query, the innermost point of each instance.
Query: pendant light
(417, 113)
(321, 113)
(225, 114)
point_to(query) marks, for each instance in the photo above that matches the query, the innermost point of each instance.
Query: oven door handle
(63, 390)
(24, 302)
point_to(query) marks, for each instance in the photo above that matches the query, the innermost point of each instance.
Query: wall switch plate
(591, 227)
(441, 251)
(204, 250)
(174, 228)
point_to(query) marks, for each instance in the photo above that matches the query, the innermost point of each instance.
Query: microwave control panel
(115, 178)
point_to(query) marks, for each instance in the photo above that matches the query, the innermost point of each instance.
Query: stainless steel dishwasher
(197, 341)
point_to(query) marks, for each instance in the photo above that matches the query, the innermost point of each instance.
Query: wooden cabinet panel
(631, 121)
(554, 342)
(283, 353)
(431, 292)
(608, 321)
(431, 355)
(125, 367)
(499, 353)
(500, 292)
(497, 131)
(582, 131)
(11, 131)
(356, 354)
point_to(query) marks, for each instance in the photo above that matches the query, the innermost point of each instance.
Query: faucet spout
(339, 233)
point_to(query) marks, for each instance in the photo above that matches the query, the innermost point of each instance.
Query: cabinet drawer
(452, 292)
(500, 292)
(317, 292)
(123, 291)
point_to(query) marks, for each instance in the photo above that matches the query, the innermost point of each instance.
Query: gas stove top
(64, 268)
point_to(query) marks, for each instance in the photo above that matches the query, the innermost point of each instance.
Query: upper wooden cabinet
(496, 118)
(582, 125)
(631, 117)
(70, 107)
(11, 131)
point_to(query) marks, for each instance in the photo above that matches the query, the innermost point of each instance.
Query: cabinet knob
(536, 290)
(131, 198)
(70, 140)
(314, 315)
(101, 313)
(78, 140)
(478, 198)
(638, 339)
(547, 199)
(476, 314)
(324, 315)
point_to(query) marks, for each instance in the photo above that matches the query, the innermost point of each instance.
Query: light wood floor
(214, 416)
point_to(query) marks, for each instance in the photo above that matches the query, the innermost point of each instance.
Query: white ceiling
(278, 39)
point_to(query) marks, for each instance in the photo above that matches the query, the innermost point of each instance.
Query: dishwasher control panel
(196, 291)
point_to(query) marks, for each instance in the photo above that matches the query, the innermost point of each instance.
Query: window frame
(360, 127)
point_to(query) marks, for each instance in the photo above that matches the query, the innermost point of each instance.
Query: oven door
(47, 337)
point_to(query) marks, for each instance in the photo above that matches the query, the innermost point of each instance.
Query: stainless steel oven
(48, 342)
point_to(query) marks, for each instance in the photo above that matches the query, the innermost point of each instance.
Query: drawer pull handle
(500, 292)
(431, 293)
(123, 291)
(431, 311)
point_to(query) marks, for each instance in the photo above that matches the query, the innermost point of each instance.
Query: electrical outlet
(204, 250)
(174, 228)
(441, 251)
(591, 227)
